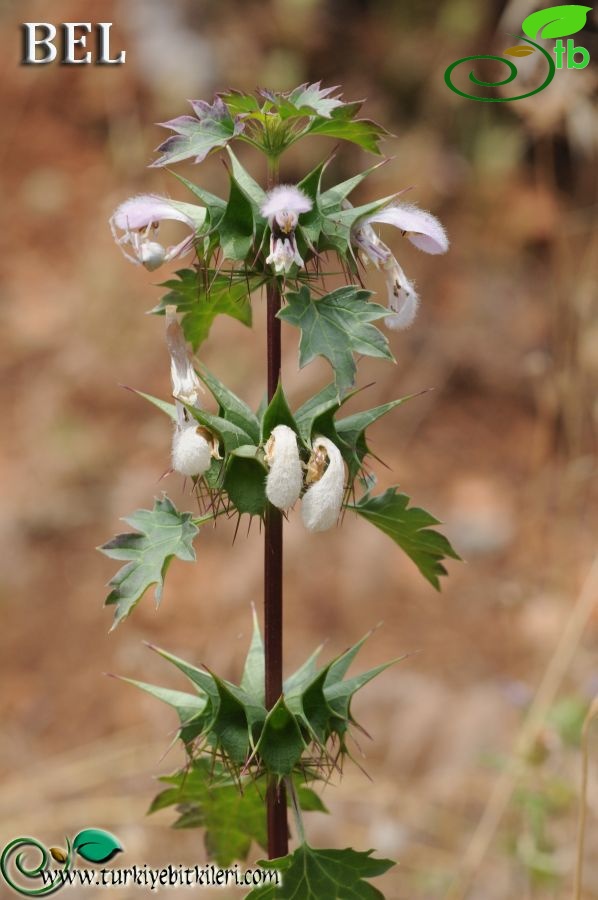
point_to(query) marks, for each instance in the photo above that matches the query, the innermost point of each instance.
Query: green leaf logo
(556, 22)
(96, 846)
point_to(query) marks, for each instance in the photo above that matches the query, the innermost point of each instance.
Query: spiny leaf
(252, 681)
(336, 326)
(236, 229)
(312, 874)
(332, 198)
(231, 407)
(200, 297)
(281, 744)
(352, 430)
(162, 533)
(277, 413)
(409, 527)
(556, 21)
(163, 405)
(247, 184)
(196, 136)
(245, 484)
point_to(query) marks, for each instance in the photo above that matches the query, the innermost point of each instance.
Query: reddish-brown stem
(278, 833)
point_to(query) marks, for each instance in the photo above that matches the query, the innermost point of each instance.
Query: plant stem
(278, 841)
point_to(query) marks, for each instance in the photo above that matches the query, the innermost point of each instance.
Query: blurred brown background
(502, 450)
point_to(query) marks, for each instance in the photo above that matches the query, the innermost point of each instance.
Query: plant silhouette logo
(91, 844)
(555, 22)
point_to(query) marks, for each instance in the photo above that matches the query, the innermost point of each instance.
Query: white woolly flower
(191, 452)
(282, 207)
(138, 219)
(285, 478)
(321, 504)
(402, 297)
(284, 201)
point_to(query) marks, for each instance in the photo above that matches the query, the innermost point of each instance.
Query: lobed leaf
(312, 874)
(196, 136)
(409, 527)
(162, 533)
(336, 326)
(201, 296)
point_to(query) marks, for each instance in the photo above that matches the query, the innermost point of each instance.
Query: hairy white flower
(191, 452)
(283, 253)
(285, 202)
(285, 478)
(282, 207)
(321, 504)
(186, 386)
(422, 229)
(402, 297)
(138, 219)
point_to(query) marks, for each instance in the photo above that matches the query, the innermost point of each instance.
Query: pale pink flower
(422, 229)
(134, 225)
(193, 446)
(282, 207)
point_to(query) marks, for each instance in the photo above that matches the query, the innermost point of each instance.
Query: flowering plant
(265, 737)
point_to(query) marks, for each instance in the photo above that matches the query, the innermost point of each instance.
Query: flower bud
(285, 478)
(191, 452)
(321, 504)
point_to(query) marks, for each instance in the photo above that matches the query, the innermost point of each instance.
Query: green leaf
(236, 228)
(336, 326)
(311, 874)
(239, 102)
(162, 533)
(163, 405)
(299, 680)
(214, 204)
(352, 430)
(231, 434)
(281, 744)
(201, 296)
(96, 846)
(187, 706)
(364, 132)
(206, 798)
(212, 127)
(232, 813)
(409, 527)
(247, 184)
(310, 99)
(332, 198)
(253, 679)
(231, 407)
(557, 21)
(245, 484)
(324, 402)
(277, 413)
